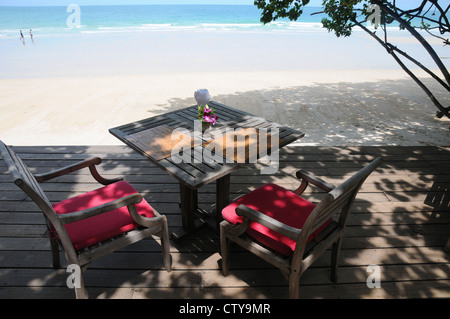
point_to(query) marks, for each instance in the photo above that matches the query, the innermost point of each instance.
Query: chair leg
(335, 259)
(81, 293)
(167, 258)
(294, 283)
(55, 253)
(225, 251)
(80, 289)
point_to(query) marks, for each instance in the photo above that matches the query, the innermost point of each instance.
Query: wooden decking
(400, 222)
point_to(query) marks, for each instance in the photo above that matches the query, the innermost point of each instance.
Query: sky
(317, 3)
(127, 2)
(115, 2)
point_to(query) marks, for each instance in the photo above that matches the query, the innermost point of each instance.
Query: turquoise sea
(142, 39)
(53, 21)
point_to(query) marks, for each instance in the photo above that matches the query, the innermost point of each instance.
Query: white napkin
(202, 96)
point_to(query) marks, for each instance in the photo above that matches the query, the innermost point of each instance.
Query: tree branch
(418, 36)
(390, 49)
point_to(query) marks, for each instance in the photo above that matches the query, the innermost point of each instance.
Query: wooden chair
(288, 231)
(93, 224)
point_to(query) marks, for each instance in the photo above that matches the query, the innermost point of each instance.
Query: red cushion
(280, 204)
(95, 229)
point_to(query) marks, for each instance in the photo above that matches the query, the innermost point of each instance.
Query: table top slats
(201, 165)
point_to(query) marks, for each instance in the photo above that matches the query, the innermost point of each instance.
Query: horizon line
(135, 4)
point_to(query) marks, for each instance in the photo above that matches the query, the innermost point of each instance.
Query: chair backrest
(22, 176)
(26, 181)
(339, 200)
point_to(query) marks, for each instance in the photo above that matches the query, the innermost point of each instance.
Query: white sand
(338, 91)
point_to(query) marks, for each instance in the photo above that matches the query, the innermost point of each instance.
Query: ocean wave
(165, 27)
(63, 30)
(277, 27)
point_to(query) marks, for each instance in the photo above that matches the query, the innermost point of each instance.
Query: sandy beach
(338, 91)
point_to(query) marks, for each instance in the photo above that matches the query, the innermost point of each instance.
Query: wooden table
(146, 138)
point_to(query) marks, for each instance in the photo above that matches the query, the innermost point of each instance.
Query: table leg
(189, 207)
(189, 204)
(222, 196)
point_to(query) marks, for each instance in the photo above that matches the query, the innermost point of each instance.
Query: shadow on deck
(400, 221)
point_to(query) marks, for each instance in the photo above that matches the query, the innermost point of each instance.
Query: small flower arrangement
(205, 113)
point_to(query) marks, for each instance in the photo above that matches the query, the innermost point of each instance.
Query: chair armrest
(90, 163)
(307, 178)
(269, 222)
(97, 210)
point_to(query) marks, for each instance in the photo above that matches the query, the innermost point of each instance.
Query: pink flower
(210, 118)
